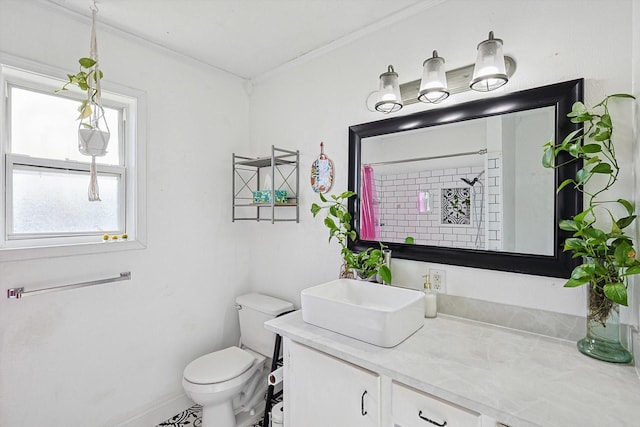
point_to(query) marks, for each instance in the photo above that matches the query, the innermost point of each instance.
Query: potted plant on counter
(364, 265)
(598, 232)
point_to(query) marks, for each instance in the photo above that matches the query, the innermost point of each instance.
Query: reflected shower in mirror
(467, 184)
(481, 187)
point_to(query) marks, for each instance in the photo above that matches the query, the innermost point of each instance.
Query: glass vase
(603, 329)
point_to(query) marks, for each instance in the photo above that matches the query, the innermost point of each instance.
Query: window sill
(63, 250)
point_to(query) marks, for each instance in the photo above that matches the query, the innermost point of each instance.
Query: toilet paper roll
(275, 377)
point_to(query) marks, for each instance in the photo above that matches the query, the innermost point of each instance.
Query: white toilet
(229, 382)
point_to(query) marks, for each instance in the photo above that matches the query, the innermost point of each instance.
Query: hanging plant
(82, 80)
(93, 130)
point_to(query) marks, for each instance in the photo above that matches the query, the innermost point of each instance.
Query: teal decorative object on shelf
(264, 196)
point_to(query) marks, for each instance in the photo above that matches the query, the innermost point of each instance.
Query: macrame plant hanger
(93, 130)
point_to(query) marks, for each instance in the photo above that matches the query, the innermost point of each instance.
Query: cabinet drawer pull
(444, 423)
(362, 411)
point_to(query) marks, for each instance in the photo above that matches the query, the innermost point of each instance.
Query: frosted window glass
(43, 125)
(55, 201)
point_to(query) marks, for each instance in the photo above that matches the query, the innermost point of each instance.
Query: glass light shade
(433, 86)
(489, 72)
(389, 98)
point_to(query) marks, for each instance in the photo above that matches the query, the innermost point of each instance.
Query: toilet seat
(219, 366)
(224, 387)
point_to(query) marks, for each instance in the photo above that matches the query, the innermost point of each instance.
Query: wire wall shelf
(263, 186)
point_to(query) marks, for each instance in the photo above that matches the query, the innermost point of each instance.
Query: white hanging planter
(93, 130)
(93, 142)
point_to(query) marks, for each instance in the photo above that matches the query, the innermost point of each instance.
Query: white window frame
(30, 75)
(18, 161)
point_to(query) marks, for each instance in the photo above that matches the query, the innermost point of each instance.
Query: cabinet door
(322, 391)
(412, 408)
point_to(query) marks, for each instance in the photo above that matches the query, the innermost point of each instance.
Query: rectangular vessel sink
(377, 314)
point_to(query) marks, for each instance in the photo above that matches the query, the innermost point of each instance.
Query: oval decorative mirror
(465, 184)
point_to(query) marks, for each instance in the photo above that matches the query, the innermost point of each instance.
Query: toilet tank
(254, 310)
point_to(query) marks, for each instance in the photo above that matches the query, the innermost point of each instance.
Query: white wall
(635, 68)
(318, 99)
(533, 202)
(99, 356)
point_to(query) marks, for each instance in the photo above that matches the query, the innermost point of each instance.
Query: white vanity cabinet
(322, 391)
(451, 370)
(412, 408)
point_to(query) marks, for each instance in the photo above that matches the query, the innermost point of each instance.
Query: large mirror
(466, 184)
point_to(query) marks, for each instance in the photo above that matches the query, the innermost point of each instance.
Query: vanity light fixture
(389, 98)
(433, 86)
(490, 70)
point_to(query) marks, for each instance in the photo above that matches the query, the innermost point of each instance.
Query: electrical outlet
(438, 280)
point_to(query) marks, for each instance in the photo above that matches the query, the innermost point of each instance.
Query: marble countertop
(518, 378)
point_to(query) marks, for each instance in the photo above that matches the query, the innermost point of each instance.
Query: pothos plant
(366, 263)
(608, 255)
(82, 79)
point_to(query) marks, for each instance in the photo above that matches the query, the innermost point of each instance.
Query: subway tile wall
(399, 216)
(494, 201)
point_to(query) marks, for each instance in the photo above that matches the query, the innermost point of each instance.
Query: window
(46, 179)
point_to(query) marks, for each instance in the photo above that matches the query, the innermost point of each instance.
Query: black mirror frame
(568, 201)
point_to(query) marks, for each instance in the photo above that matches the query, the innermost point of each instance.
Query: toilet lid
(218, 366)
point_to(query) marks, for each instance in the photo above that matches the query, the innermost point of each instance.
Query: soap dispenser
(430, 298)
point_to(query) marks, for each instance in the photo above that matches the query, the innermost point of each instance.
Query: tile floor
(192, 417)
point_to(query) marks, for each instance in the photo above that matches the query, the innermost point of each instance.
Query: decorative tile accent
(456, 206)
(192, 417)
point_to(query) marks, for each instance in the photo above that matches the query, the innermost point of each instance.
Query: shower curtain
(369, 224)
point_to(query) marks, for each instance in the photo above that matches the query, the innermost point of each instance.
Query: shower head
(473, 181)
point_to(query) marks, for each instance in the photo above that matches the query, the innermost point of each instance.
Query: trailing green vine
(82, 79)
(609, 257)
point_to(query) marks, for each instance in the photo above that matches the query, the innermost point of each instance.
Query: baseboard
(158, 412)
